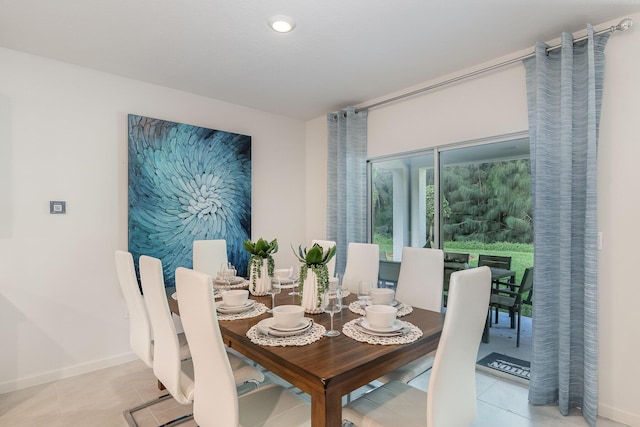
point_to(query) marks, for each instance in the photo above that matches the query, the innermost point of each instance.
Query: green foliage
(490, 202)
(315, 259)
(431, 211)
(315, 255)
(261, 248)
(382, 201)
(260, 251)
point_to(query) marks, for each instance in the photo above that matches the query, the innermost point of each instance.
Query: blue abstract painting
(187, 183)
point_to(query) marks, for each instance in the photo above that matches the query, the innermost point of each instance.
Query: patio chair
(453, 261)
(513, 300)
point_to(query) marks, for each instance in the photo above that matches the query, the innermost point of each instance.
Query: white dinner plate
(223, 308)
(395, 326)
(235, 281)
(265, 327)
(303, 324)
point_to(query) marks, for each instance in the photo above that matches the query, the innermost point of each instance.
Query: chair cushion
(273, 406)
(391, 405)
(242, 371)
(504, 300)
(186, 382)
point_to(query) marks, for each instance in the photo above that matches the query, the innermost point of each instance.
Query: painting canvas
(187, 183)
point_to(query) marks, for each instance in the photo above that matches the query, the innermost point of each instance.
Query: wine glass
(331, 303)
(340, 288)
(291, 277)
(229, 275)
(273, 290)
(364, 293)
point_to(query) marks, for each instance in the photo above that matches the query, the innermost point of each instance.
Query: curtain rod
(624, 25)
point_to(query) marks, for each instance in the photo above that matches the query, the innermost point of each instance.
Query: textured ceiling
(341, 52)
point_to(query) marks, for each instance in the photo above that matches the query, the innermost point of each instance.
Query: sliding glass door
(401, 210)
(469, 198)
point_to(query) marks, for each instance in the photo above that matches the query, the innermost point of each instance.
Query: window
(399, 212)
(482, 197)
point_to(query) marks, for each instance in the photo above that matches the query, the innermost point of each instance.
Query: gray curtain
(346, 180)
(564, 90)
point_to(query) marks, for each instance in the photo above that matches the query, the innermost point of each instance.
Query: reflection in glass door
(402, 210)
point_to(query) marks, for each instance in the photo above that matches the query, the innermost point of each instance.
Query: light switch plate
(57, 207)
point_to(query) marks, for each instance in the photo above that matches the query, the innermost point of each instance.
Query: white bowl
(287, 316)
(381, 316)
(235, 297)
(381, 296)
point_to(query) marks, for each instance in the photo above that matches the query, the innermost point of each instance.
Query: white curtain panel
(564, 90)
(346, 180)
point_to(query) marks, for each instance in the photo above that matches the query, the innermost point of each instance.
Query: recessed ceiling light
(281, 23)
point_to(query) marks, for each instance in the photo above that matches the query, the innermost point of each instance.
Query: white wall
(61, 309)
(495, 104)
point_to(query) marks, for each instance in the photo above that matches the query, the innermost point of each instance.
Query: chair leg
(128, 413)
(518, 333)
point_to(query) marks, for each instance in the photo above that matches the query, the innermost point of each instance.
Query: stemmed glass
(229, 275)
(273, 290)
(332, 303)
(291, 277)
(364, 293)
(340, 288)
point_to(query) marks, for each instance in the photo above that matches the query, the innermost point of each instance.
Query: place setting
(380, 325)
(287, 327)
(227, 278)
(236, 304)
(368, 295)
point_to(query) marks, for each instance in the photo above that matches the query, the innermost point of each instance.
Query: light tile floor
(98, 398)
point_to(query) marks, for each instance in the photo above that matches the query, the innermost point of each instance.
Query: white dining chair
(177, 375)
(363, 263)
(419, 285)
(451, 397)
(326, 244)
(208, 256)
(140, 331)
(216, 401)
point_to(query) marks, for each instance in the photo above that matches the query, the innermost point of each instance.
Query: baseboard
(71, 371)
(618, 415)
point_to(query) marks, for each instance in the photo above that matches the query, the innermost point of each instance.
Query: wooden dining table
(330, 367)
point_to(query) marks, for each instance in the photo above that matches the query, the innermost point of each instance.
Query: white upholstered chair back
(216, 400)
(208, 255)
(167, 365)
(326, 244)
(451, 398)
(421, 277)
(363, 263)
(140, 334)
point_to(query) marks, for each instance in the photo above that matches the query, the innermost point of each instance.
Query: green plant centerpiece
(314, 276)
(260, 272)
